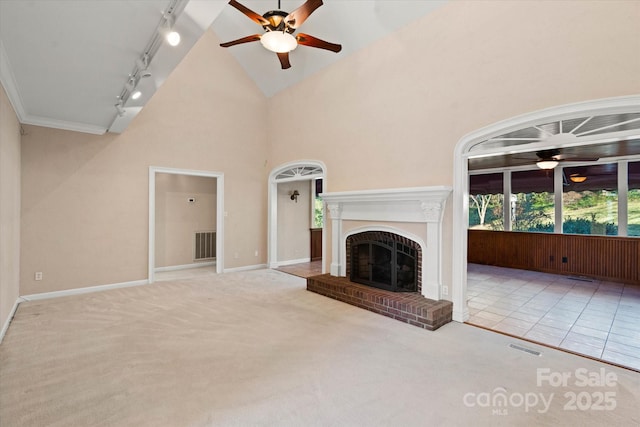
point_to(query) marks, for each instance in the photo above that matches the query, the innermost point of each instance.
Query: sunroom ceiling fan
(549, 159)
(279, 28)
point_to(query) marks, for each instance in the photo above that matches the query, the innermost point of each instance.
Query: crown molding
(9, 83)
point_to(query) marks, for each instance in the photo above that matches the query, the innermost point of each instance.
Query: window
(589, 196)
(317, 203)
(590, 199)
(486, 201)
(633, 200)
(532, 204)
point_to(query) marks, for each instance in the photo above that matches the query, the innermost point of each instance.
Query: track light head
(171, 36)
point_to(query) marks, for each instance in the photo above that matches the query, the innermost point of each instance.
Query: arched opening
(303, 171)
(480, 145)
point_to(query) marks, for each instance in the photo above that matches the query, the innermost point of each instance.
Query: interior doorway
(206, 243)
(292, 212)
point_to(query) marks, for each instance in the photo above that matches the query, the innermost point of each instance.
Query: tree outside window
(532, 201)
(486, 202)
(590, 205)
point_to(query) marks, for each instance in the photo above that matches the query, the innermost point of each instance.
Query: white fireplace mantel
(403, 205)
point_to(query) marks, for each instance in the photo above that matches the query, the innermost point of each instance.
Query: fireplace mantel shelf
(414, 204)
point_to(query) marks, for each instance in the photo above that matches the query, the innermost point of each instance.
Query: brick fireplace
(396, 267)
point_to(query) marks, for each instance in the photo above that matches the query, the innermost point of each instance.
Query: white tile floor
(595, 318)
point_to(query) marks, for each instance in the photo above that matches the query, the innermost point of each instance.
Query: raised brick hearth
(408, 307)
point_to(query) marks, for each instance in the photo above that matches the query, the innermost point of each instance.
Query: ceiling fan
(280, 26)
(549, 159)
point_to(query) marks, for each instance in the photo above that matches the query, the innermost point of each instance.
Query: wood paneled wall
(601, 257)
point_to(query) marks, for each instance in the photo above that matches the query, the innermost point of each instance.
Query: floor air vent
(204, 245)
(580, 278)
(526, 350)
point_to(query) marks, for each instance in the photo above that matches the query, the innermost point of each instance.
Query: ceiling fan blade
(258, 19)
(284, 60)
(298, 16)
(253, 38)
(307, 40)
(579, 159)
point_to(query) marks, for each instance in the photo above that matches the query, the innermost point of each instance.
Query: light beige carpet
(255, 348)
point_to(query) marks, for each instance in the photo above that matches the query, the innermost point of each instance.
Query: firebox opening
(385, 261)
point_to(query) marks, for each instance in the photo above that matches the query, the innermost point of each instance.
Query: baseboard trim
(79, 291)
(184, 266)
(291, 262)
(245, 268)
(12, 313)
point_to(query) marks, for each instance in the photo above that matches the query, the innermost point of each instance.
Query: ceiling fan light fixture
(576, 177)
(547, 164)
(278, 41)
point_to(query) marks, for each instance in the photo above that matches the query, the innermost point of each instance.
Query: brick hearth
(408, 307)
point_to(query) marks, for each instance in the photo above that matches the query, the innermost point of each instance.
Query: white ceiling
(64, 62)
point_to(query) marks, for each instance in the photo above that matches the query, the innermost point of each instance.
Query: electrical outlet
(445, 290)
(564, 260)
(256, 254)
(38, 275)
(236, 255)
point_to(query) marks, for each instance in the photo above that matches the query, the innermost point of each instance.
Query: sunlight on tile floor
(595, 318)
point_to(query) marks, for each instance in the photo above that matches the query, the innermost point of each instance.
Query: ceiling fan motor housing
(548, 154)
(277, 21)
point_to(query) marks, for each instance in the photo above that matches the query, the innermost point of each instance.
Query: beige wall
(294, 221)
(387, 116)
(9, 207)
(390, 115)
(177, 219)
(85, 197)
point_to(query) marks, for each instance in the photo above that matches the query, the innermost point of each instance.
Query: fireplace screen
(385, 264)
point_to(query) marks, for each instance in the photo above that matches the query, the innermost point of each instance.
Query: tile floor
(596, 318)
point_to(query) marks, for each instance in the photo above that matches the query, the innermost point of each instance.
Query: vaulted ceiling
(65, 63)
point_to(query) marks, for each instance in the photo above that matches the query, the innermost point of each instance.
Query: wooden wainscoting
(316, 244)
(601, 257)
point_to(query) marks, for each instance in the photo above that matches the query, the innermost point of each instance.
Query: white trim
(245, 268)
(506, 200)
(623, 198)
(220, 213)
(12, 313)
(184, 266)
(64, 125)
(293, 261)
(272, 209)
(558, 191)
(623, 104)
(80, 291)
(8, 80)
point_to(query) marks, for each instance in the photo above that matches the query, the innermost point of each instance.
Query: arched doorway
(302, 170)
(479, 144)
